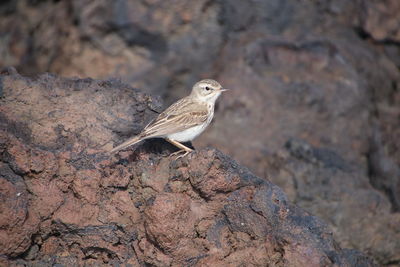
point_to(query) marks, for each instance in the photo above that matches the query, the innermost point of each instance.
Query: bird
(184, 120)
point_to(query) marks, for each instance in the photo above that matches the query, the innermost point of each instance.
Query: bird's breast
(188, 134)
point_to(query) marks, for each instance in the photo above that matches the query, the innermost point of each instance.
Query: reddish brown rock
(64, 204)
(16, 226)
(325, 72)
(381, 19)
(360, 216)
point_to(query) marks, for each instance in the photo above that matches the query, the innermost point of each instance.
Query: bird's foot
(179, 153)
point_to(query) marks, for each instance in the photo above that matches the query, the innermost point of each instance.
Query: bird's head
(207, 90)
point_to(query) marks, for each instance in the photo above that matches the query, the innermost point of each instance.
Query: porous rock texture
(66, 202)
(315, 99)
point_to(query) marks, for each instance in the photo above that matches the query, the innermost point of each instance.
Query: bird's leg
(181, 146)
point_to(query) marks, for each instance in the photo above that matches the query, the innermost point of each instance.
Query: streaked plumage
(185, 119)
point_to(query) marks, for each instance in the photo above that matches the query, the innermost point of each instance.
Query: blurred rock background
(315, 100)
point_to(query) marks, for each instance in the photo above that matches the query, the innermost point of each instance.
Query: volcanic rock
(65, 201)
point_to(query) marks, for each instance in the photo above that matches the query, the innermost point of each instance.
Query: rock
(381, 20)
(325, 72)
(289, 90)
(141, 36)
(356, 211)
(32, 252)
(141, 207)
(16, 226)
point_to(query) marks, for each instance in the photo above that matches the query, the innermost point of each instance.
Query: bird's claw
(180, 152)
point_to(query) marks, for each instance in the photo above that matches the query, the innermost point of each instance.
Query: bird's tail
(127, 143)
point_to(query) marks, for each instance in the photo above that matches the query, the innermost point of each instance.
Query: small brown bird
(184, 120)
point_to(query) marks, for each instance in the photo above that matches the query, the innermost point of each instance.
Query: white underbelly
(188, 134)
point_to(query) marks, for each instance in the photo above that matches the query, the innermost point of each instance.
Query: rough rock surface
(359, 215)
(325, 72)
(381, 19)
(65, 201)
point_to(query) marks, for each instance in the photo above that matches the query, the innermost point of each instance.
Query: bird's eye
(208, 88)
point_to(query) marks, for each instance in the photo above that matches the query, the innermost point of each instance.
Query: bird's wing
(180, 116)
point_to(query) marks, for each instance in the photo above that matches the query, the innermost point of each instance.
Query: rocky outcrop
(66, 202)
(323, 74)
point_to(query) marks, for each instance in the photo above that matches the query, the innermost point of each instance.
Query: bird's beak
(224, 89)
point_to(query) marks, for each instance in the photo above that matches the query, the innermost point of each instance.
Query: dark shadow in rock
(153, 146)
(302, 150)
